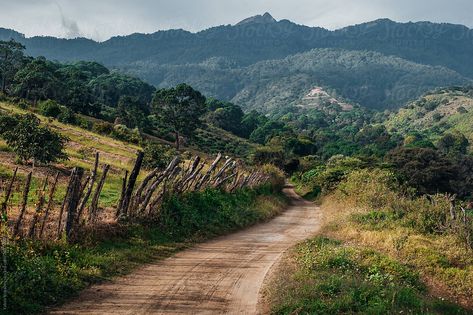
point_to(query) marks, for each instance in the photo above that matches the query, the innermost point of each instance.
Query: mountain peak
(258, 19)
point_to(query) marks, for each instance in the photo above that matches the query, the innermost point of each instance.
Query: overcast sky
(101, 19)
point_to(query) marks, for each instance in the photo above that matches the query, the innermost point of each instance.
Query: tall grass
(370, 208)
(323, 276)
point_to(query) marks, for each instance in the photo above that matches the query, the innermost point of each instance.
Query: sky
(102, 19)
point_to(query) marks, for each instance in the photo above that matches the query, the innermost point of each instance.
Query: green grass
(325, 276)
(43, 274)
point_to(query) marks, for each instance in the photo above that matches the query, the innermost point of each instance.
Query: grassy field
(327, 276)
(369, 219)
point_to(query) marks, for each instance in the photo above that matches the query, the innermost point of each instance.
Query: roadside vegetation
(43, 274)
(324, 276)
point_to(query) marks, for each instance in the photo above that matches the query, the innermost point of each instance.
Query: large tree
(11, 60)
(180, 108)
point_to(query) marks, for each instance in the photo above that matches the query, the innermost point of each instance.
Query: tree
(11, 60)
(130, 113)
(225, 115)
(180, 108)
(37, 81)
(424, 169)
(453, 143)
(30, 141)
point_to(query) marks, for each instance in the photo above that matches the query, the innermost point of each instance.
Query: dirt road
(223, 276)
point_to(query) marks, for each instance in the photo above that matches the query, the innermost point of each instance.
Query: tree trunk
(178, 142)
(23, 205)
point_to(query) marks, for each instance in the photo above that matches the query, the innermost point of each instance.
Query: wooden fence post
(90, 186)
(131, 184)
(95, 199)
(122, 195)
(7, 195)
(73, 200)
(64, 201)
(23, 204)
(50, 204)
(39, 207)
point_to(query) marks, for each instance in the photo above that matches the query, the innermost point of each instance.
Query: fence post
(50, 204)
(7, 195)
(95, 199)
(131, 184)
(39, 207)
(23, 204)
(73, 200)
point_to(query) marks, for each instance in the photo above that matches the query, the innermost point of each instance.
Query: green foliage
(43, 274)
(211, 212)
(226, 115)
(157, 155)
(424, 169)
(11, 61)
(325, 178)
(180, 108)
(50, 108)
(30, 141)
(122, 132)
(387, 202)
(455, 143)
(332, 278)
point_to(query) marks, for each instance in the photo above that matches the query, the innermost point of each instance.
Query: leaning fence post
(90, 186)
(23, 204)
(95, 199)
(122, 195)
(63, 204)
(73, 200)
(131, 184)
(50, 204)
(39, 207)
(7, 195)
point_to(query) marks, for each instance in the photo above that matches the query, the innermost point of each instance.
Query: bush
(30, 141)
(157, 155)
(104, 128)
(50, 108)
(277, 177)
(122, 132)
(67, 116)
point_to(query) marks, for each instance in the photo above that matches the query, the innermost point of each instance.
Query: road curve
(222, 276)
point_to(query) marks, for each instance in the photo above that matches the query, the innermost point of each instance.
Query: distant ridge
(261, 57)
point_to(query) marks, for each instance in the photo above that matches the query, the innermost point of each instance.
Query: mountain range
(261, 63)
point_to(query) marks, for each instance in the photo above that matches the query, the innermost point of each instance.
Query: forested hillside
(230, 62)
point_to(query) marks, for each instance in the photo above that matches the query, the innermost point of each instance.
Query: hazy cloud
(105, 18)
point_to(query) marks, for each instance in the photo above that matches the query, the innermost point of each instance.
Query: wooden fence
(80, 205)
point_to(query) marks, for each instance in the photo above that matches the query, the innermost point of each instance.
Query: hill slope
(226, 61)
(369, 78)
(436, 113)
